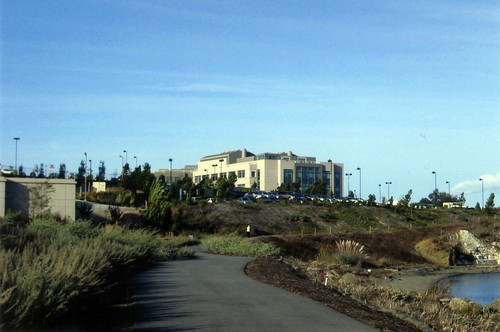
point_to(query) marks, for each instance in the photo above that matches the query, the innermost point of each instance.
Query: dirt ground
(276, 273)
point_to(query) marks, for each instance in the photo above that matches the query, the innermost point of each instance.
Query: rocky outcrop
(471, 246)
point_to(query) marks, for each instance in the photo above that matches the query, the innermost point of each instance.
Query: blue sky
(397, 88)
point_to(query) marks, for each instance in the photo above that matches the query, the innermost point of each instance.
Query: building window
(253, 174)
(241, 174)
(307, 176)
(197, 179)
(327, 177)
(287, 176)
(232, 174)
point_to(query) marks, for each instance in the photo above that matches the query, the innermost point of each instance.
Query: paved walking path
(212, 293)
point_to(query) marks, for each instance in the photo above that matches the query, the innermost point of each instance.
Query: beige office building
(270, 170)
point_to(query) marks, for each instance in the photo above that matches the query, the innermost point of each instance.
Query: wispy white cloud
(197, 88)
(491, 184)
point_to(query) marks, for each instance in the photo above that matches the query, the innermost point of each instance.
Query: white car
(244, 200)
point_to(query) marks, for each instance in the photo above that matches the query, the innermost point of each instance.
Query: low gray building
(15, 195)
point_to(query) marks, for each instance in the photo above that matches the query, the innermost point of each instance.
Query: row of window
(239, 174)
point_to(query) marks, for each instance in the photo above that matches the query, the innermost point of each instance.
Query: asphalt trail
(212, 293)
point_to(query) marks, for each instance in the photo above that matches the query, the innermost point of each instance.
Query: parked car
(244, 200)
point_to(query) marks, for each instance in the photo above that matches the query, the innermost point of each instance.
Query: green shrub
(49, 267)
(82, 229)
(233, 244)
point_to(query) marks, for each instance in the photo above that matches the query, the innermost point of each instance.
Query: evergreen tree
(41, 171)
(490, 204)
(371, 200)
(62, 171)
(101, 174)
(159, 212)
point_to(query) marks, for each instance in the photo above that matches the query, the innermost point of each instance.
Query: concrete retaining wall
(14, 195)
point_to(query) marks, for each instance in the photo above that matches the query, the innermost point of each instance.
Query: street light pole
(170, 178)
(482, 192)
(135, 157)
(16, 139)
(435, 188)
(348, 183)
(380, 192)
(449, 190)
(126, 156)
(388, 192)
(215, 174)
(359, 169)
(85, 176)
(221, 161)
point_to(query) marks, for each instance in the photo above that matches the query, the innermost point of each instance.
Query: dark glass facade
(307, 175)
(287, 176)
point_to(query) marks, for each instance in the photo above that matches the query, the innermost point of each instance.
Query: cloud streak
(491, 184)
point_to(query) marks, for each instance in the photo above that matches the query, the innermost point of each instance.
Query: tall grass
(233, 244)
(48, 269)
(344, 252)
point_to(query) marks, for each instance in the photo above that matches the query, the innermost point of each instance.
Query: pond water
(483, 288)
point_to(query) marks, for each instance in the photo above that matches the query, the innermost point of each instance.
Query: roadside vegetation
(235, 245)
(51, 267)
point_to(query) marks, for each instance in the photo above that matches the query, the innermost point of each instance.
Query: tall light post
(215, 174)
(221, 161)
(120, 156)
(85, 177)
(359, 169)
(380, 192)
(126, 156)
(135, 157)
(482, 192)
(348, 183)
(388, 192)
(435, 188)
(16, 139)
(449, 190)
(170, 178)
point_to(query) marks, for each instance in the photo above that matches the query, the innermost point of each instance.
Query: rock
(471, 245)
(349, 278)
(463, 305)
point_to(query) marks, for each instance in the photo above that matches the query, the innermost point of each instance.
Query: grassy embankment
(50, 269)
(233, 244)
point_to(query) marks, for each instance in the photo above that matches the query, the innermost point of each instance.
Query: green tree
(490, 204)
(80, 175)
(34, 172)
(62, 171)
(318, 188)
(404, 202)
(372, 199)
(101, 173)
(41, 171)
(21, 173)
(158, 212)
(225, 186)
(39, 198)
